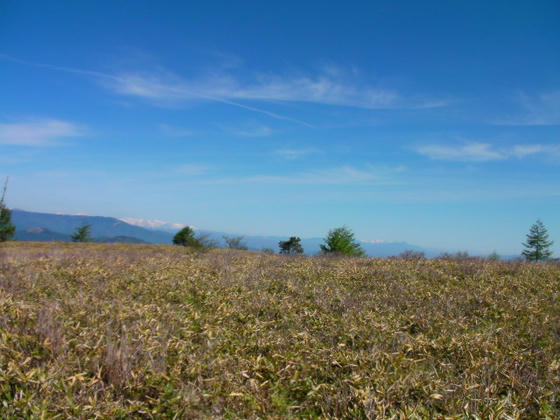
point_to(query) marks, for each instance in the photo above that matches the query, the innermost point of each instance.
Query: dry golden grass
(125, 331)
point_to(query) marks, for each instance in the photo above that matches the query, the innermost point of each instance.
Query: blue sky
(435, 123)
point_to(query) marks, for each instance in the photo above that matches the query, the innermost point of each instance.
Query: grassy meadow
(155, 331)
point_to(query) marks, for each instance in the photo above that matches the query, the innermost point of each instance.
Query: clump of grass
(124, 331)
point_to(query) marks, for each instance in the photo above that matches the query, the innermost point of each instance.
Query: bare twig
(4, 191)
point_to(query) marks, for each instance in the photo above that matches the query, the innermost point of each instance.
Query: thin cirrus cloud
(484, 152)
(326, 88)
(293, 154)
(343, 175)
(257, 130)
(151, 88)
(539, 109)
(44, 132)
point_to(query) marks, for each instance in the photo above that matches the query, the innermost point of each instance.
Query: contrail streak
(119, 79)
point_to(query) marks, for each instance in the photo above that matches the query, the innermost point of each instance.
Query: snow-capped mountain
(154, 224)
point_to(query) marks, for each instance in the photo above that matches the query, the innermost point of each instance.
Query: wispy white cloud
(343, 175)
(340, 175)
(539, 109)
(523, 150)
(293, 154)
(326, 88)
(44, 132)
(57, 68)
(252, 130)
(166, 88)
(484, 152)
(330, 85)
(151, 87)
(476, 152)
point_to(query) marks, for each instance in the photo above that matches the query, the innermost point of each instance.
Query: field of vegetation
(155, 331)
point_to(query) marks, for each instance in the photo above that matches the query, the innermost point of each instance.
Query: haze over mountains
(31, 226)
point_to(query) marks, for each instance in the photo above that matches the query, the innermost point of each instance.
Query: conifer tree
(82, 233)
(291, 246)
(7, 229)
(187, 237)
(537, 246)
(341, 241)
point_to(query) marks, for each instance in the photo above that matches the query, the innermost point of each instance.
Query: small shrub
(409, 254)
(457, 256)
(235, 242)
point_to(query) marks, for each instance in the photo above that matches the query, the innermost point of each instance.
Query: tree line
(340, 240)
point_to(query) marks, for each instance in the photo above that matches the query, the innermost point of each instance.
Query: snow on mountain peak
(153, 224)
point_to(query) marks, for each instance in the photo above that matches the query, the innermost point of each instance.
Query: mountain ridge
(61, 226)
(101, 226)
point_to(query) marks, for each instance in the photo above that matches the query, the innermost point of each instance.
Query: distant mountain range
(31, 226)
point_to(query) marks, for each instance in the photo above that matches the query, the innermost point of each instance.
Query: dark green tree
(291, 246)
(537, 246)
(187, 237)
(7, 229)
(235, 242)
(341, 241)
(82, 233)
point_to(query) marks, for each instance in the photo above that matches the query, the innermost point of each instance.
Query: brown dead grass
(141, 331)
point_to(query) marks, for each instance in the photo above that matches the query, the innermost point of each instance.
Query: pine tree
(341, 241)
(187, 237)
(291, 246)
(537, 246)
(7, 230)
(82, 233)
